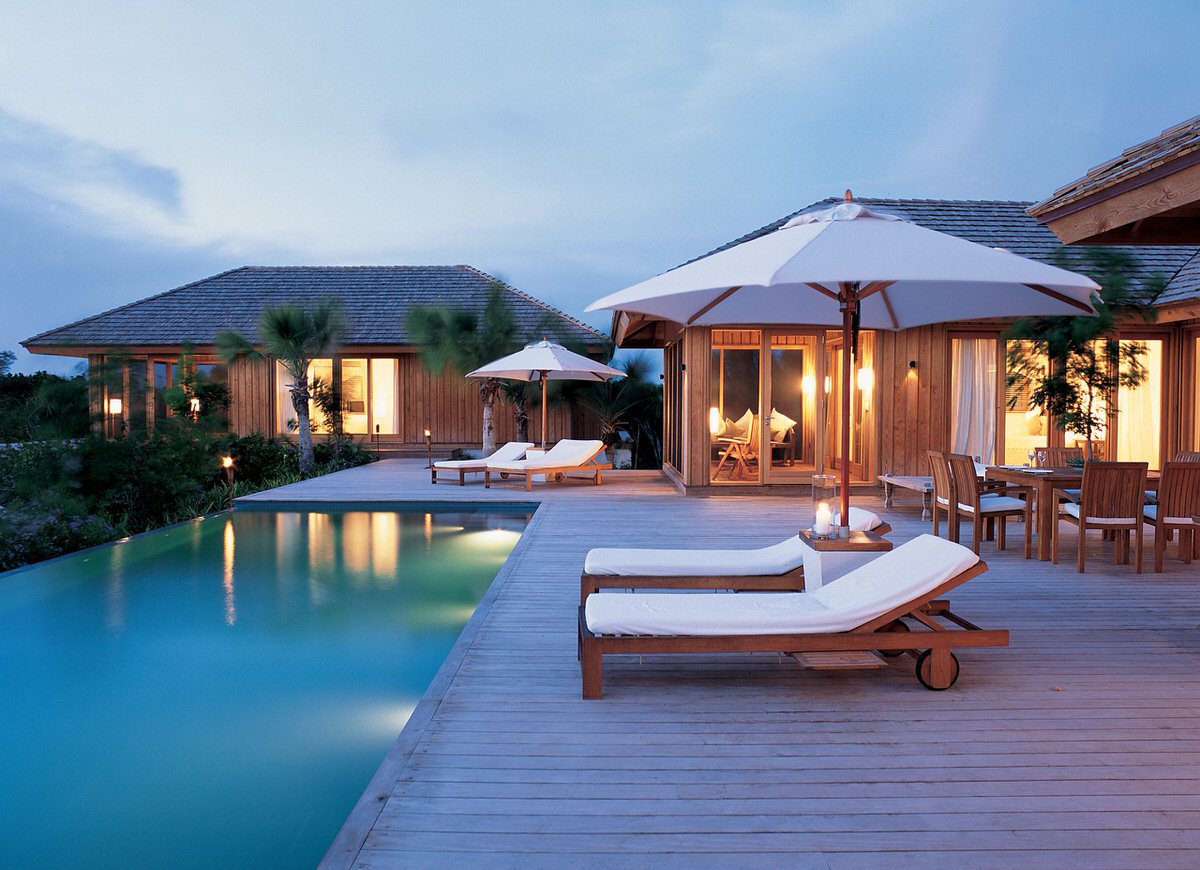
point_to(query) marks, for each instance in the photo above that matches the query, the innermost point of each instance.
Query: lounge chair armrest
(1067, 496)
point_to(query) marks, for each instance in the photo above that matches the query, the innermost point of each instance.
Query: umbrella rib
(711, 305)
(1061, 297)
(887, 303)
(874, 287)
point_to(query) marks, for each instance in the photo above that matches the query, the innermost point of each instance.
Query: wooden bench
(915, 482)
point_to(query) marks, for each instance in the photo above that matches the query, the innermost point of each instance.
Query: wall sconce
(115, 407)
(828, 384)
(808, 384)
(912, 363)
(866, 380)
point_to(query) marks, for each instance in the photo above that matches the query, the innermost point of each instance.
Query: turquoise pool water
(218, 694)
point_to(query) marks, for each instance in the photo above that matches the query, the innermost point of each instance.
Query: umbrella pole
(849, 303)
(543, 410)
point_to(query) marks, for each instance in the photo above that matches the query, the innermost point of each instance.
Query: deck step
(839, 661)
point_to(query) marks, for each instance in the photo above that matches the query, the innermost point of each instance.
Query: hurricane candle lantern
(824, 497)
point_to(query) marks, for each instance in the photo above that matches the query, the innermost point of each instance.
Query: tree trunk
(303, 432)
(521, 415)
(487, 394)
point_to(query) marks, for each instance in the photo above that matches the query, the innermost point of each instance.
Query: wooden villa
(390, 396)
(750, 406)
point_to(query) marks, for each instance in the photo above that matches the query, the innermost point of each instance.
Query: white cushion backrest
(509, 452)
(568, 452)
(911, 570)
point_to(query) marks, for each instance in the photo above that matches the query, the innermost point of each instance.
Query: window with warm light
(973, 386)
(1139, 417)
(1026, 425)
(286, 413)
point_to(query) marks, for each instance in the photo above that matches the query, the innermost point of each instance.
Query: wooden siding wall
(447, 404)
(913, 404)
(252, 391)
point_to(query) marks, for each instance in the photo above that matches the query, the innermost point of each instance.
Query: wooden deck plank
(1079, 748)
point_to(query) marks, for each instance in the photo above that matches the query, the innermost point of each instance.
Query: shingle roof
(1006, 224)
(1170, 145)
(376, 301)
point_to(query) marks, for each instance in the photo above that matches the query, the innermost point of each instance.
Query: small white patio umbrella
(846, 265)
(546, 361)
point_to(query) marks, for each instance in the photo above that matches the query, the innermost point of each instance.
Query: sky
(570, 148)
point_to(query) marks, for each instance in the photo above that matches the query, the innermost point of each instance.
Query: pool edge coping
(348, 843)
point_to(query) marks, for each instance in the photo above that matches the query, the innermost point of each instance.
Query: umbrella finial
(848, 196)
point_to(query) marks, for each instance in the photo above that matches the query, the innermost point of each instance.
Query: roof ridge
(114, 310)
(533, 299)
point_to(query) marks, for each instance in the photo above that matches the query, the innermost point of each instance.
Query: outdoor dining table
(1043, 482)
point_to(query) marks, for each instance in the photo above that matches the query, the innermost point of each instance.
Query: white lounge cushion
(1072, 509)
(765, 561)
(565, 453)
(991, 504)
(1151, 511)
(896, 578)
(509, 452)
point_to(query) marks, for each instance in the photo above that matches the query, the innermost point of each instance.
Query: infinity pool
(218, 694)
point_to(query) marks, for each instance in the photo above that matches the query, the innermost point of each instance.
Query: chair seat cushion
(993, 504)
(1072, 509)
(778, 558)
(1151, 513)
(910, 571)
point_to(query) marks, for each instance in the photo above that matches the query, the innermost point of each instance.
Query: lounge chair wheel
(504, 475)
(926, 676)
(895, 626)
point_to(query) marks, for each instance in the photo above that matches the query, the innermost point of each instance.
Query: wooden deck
(1078, 746)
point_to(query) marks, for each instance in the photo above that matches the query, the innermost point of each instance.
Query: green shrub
(258, 458)
(48, 526)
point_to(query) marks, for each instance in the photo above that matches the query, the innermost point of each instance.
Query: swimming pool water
(218, 694)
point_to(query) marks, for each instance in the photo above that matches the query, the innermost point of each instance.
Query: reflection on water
(219, 694)
(230, 605)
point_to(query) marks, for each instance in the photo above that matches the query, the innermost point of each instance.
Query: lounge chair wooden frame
(789, 581)
(449, 472)
(937, 666)
(553, 472)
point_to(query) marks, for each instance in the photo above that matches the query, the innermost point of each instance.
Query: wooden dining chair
(1187, 456)
(1055, 457)
(987, 500)
(943, 493)
(1111, 498)
(1178, 503)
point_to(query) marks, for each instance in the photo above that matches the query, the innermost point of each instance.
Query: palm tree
(464, 342)
(517, 395)
(293, 337)
(619, 403)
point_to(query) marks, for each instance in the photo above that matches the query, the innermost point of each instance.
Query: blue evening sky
(572, 148)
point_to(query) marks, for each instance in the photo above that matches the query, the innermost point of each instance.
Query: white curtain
(973, 397)
(1139, 417)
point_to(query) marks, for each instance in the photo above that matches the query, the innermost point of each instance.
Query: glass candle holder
(825, 491)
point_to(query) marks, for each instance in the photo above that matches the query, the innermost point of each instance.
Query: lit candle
(824, 521)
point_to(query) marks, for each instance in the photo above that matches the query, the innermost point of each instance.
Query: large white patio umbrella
(546, 361)
(847, 265)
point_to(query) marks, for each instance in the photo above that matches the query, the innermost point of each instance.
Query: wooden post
(849, 306)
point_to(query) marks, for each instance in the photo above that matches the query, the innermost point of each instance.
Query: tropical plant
(294, 337)
(7, 358)
(1071, 366)
(517, 395)
(197, 397)
(625, 404)
(462, 341)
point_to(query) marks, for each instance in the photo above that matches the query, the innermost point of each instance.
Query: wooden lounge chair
(560, 460)
(1177, 506)
(779, 567)
(1111, 498)
(460, 468)
(862, 612)
(989, 500)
